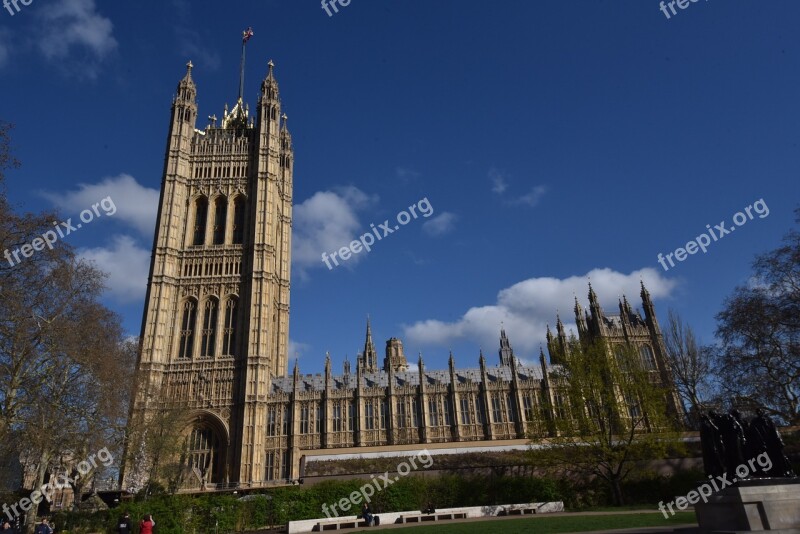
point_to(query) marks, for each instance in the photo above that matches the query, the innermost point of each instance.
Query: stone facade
(215, 328)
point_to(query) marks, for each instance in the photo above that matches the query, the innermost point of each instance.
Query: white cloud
(297, 350)
(499, 184)
(533, 197)
(440, 225)
(325, 222)
(127, 267)
(527, 307)
(70, 26)
(136, 205)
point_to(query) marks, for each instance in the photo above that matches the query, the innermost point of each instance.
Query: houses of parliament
(215, 330)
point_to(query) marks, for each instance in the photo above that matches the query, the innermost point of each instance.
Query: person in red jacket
(147, 524)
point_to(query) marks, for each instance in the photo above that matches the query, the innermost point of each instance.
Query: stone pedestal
(752, 505)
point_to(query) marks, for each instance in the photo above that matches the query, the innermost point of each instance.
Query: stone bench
(421, 518)
(339, 524)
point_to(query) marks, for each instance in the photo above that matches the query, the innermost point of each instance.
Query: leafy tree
(760, 332)
(611, 414)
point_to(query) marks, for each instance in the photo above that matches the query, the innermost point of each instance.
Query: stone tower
(215, 329)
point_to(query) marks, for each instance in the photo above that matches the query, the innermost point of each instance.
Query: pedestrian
(6, 527)
(146, 525)
(43, 528)
(366, 513)
(124, 525)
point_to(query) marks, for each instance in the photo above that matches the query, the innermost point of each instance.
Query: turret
(506, 352)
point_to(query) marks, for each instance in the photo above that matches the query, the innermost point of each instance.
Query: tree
(611, 413)
(62, 353)
(692, 367)
(760, 332)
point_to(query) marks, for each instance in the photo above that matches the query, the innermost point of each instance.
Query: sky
(543, 145)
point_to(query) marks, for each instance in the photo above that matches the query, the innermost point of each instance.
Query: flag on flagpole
(247, 34)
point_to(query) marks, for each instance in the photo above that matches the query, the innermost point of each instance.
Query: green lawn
(545, 525)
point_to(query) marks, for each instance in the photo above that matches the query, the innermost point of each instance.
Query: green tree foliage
(610, 415)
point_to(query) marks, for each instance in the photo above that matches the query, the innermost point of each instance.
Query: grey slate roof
(381, 378)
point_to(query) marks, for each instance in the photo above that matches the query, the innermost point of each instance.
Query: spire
(506, 353)
(369, 356)
(592, 296)
(269, 87)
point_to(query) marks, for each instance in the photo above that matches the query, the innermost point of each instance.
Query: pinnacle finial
(189, 66)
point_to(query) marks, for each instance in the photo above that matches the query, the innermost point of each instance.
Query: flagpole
(241, 70)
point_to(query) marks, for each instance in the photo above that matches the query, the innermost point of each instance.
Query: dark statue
(729, 441)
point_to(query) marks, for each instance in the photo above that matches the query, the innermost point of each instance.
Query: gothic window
(634, 410)
(272, 415)
(229, 334)
(238, 220)
(203, 450)
(401, 413)
(433, 408)
(370, 415)
(648, 359)
(527, 401)
(561, 409)
(200, 216)
(304, 413)
(497, 408)
(351, 416)
(270, 470)
(187, 328)
(285, 465)
(285, 422)
(414, 413)
(337, 416)
(220, 215)
(448, 420)
(209, 334)
(466, 418)
(480, 412)
(384, 413)
(510, 406)
(318, 419)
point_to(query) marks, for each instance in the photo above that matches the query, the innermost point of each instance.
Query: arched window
(200, 216)
(203, 451)
(209, 334)
(648, 359)
(187, 329)
(229, 334)
(238, 221)
(220, 215)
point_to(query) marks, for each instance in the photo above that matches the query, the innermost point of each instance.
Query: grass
(546, 525)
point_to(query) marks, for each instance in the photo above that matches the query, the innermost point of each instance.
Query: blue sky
(555, 141)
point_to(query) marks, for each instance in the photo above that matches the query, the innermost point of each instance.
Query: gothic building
(215, 329)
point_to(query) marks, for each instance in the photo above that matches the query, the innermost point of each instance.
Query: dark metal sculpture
(773, 444)
(728, 441)
(712, 447)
